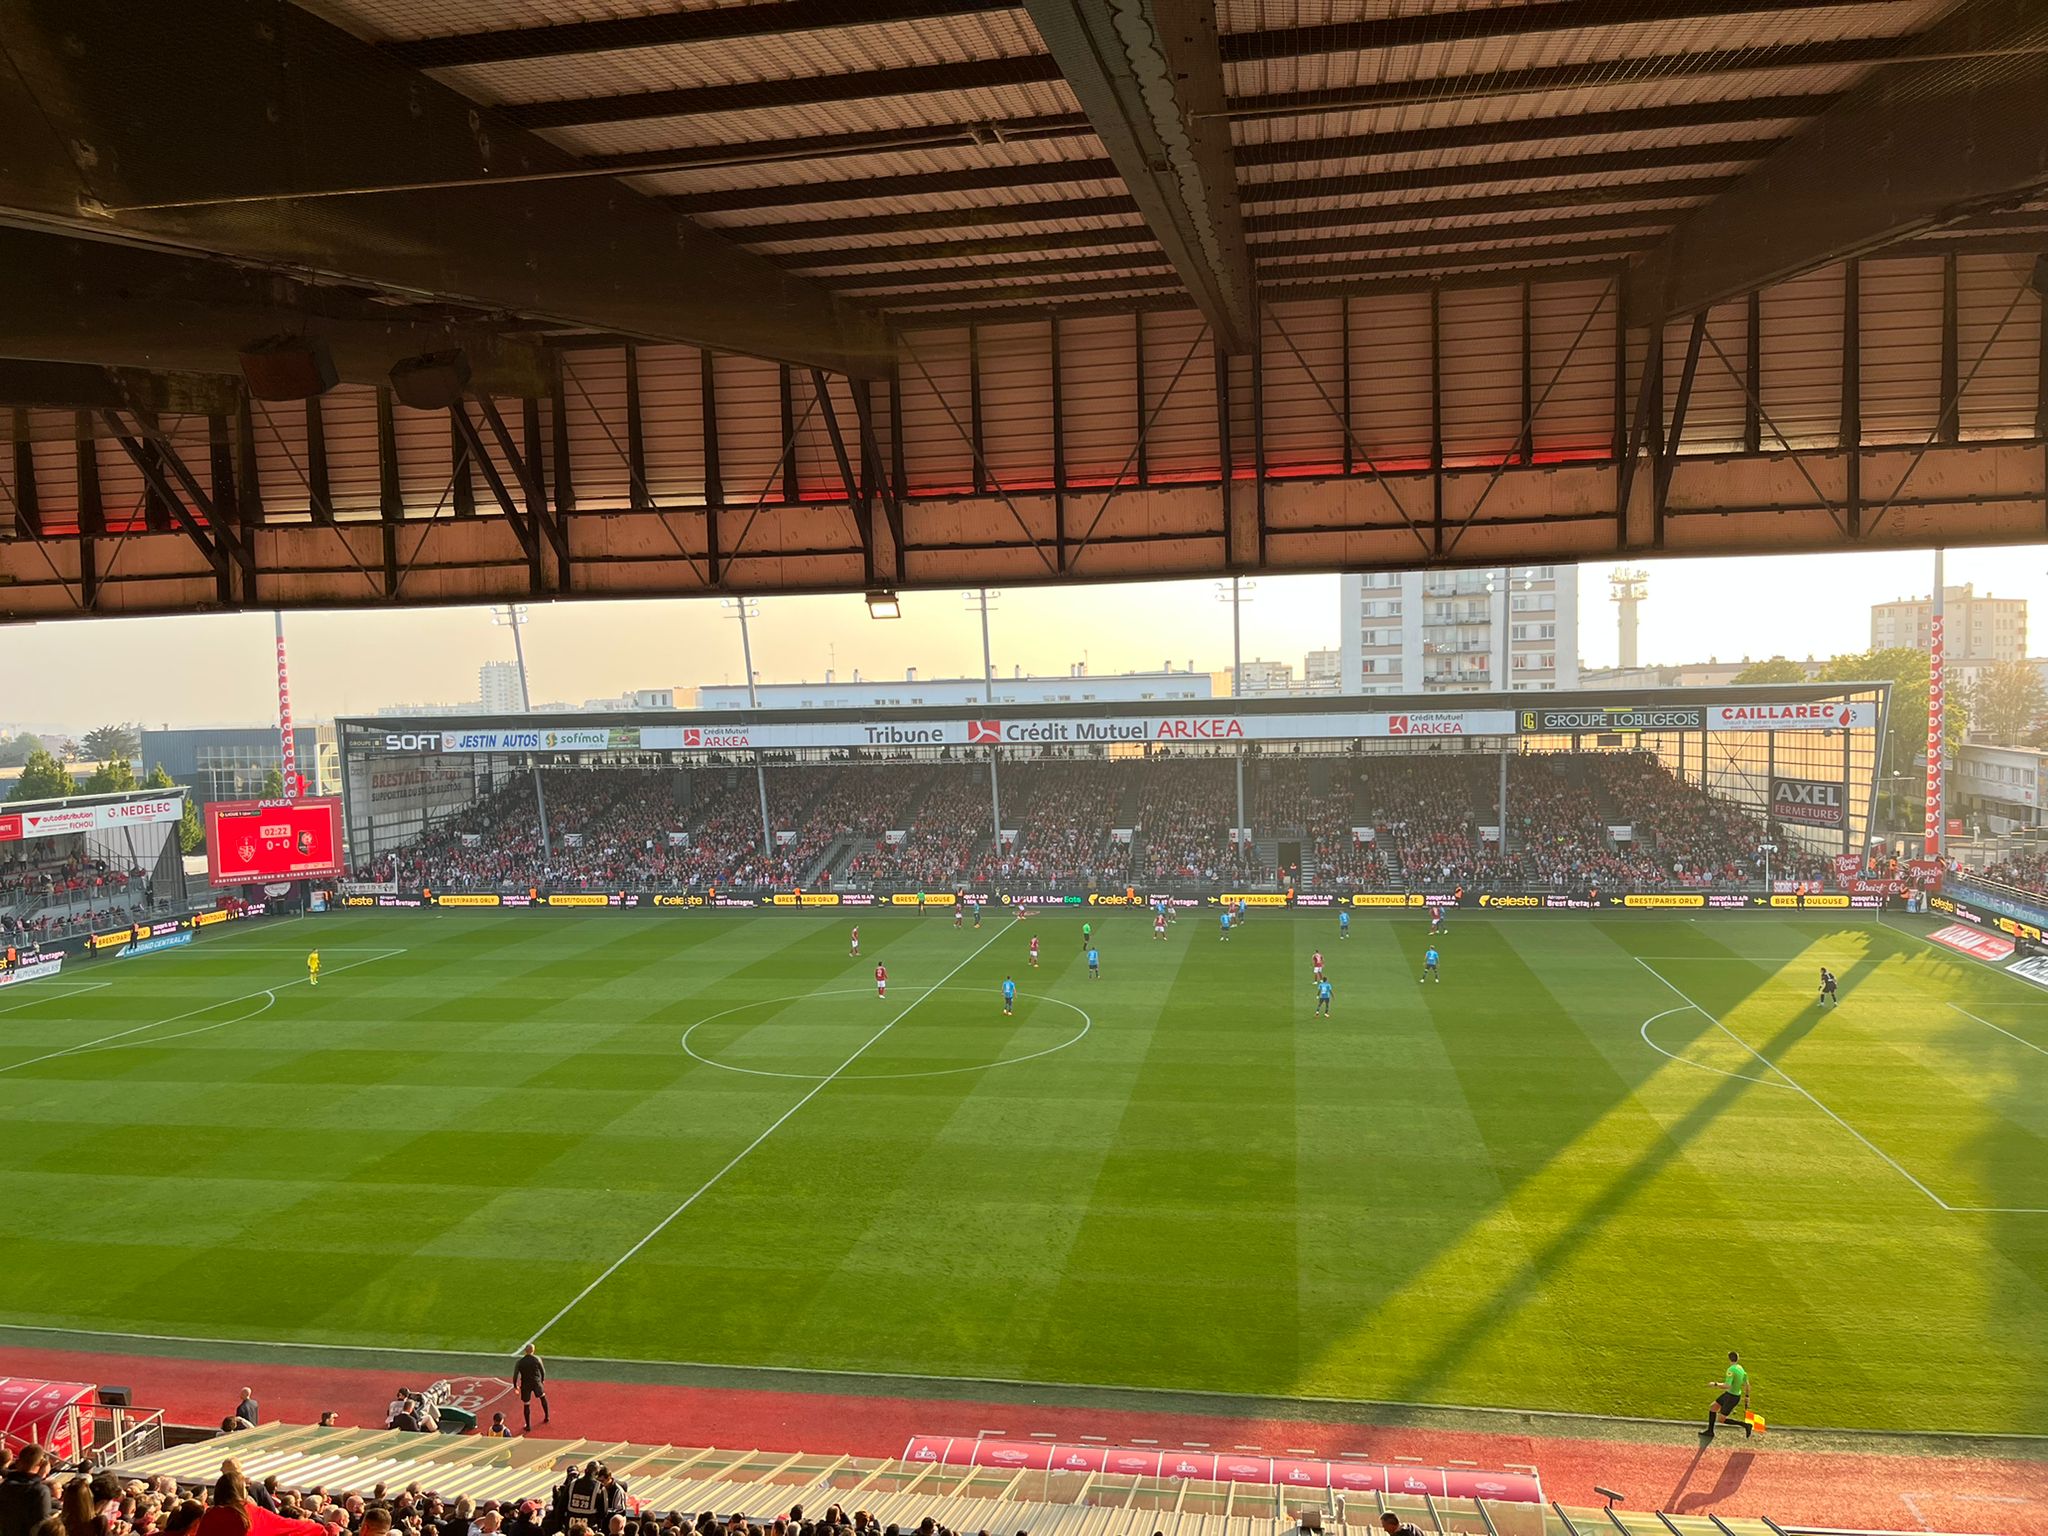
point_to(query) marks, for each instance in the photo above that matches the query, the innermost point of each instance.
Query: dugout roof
(834, 294)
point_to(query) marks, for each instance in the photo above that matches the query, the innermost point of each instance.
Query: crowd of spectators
(2025, 869)
(590, 1500)
(1395, 820)
(1185, 810)
(76, 892)
(946, 842)
(1065, 816)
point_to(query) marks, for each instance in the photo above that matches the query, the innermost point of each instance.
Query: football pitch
(1571, 1175)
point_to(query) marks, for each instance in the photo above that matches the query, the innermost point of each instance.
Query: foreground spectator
(25, 1499)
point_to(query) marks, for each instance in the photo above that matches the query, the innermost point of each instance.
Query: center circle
(1087, 1023)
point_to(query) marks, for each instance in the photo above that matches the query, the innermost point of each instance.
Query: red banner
(1226, 1467)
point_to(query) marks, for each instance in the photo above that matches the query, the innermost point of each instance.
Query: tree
(1905, 744)
(14, 750)
(1776, 670)
(273, 784)
(42, 778)
(110, 778)
(69, 750)
(113, 743)
(2007, 700)
(191, 831)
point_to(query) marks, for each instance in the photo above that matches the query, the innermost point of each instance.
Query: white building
(1075, 687)
(1976, 631)
(497, 684)
(1443, 631)
(1261, 676)
(1999, 789)
(1323, 672)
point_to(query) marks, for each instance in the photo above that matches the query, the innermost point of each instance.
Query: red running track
(1905, 1492)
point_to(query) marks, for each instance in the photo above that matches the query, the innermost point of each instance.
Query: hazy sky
(216, 670)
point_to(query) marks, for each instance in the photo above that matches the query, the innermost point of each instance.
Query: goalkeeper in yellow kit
(313, 968)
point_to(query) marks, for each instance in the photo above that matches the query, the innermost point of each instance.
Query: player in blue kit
(1009, 996)
(1226, 925)
(1323, 998)
(1094, 962)
(1343, 925)
(1429, 971)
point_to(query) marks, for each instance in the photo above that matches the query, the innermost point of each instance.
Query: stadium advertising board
(1985, 914)
(66, 820)
(252, 841)
(1623, 718)
(966, 731)
(1825, 715)
(1809, 802)
(30, 965)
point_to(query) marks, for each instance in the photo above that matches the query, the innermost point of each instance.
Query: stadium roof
(958, 235)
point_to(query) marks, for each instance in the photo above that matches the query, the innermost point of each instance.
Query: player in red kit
(1034, 951)
(854, 953)
(881, 980)
(1318, 962)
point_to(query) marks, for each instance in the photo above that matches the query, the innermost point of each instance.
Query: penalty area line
(777, 1124)
(1794, 1084)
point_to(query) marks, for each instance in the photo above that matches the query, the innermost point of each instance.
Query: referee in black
(530, 1376)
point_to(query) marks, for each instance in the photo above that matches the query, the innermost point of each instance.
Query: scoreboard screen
(249, 842)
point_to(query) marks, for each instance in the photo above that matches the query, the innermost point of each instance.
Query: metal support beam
(1258, 363)
(1915, 146)
(499, 492)
(1059, 443)
(858, 492)
(1436, 423)
(1667, 461)
(1142, 415)
(91, 302)
(787, 391)
(28, 514)
(92, 510)
(1753, 377)
(1226, 469)
(875, 473)
(977, 440)
(640, 498)
(151, 465)
(462, 480)
(227, 502)
(714, 472)
(553, 530)
(1951, 355)
(249, 479)
(1647, 393)
(1149, 74)
(1849, 435)
(248, 103)
(1528, 454)
(319, 491)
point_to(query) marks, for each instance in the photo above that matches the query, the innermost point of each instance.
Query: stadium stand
(68, 893)
(1388, 822)
(431, 1484)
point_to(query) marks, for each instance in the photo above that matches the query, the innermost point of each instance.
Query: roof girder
(1916, 146)
(240, 98)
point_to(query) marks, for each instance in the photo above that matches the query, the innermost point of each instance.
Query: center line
(741, 1156)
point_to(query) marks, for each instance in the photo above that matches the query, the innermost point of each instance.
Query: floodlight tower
(1628, 587)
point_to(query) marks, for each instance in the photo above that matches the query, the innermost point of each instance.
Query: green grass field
(1548, 1181)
